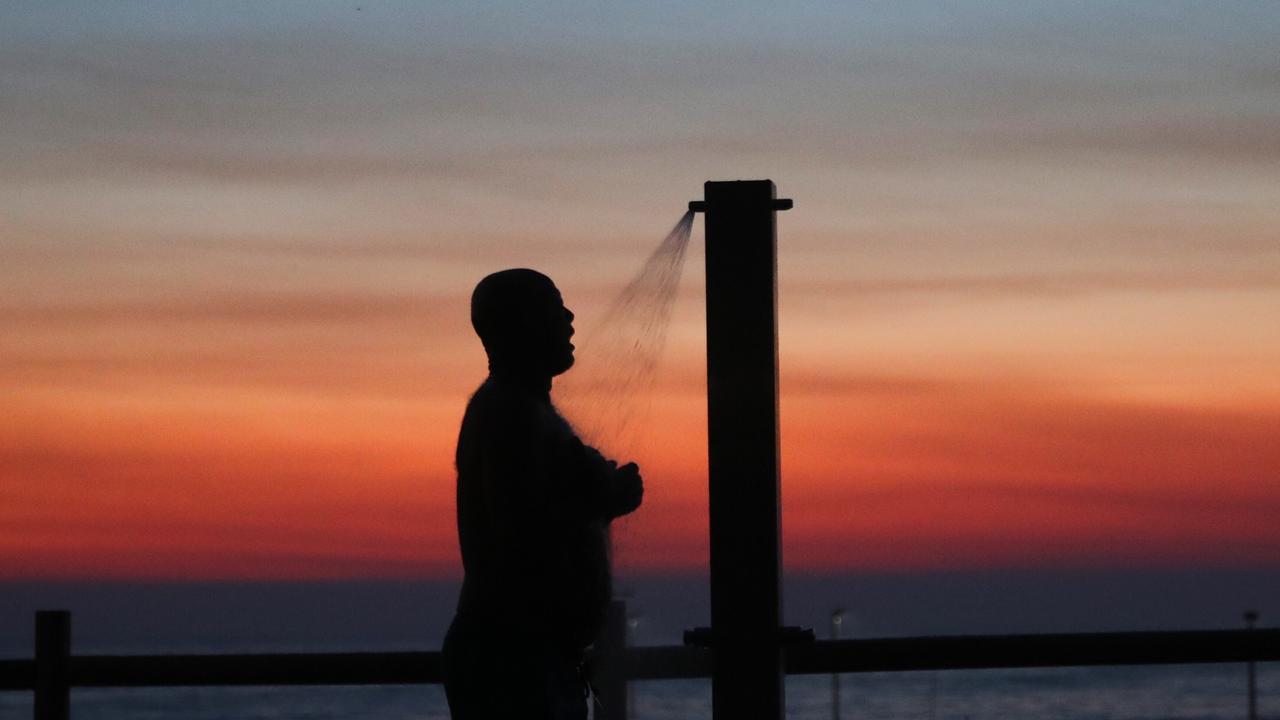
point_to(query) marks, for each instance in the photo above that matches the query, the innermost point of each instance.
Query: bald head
(523, 323)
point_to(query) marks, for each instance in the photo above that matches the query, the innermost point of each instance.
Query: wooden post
(53, 653)
(742, 426)
(609, 679)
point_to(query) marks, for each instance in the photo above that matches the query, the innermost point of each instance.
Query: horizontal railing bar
(966, 652)
(959, 652)
(17, 674)
(398, 668)
(667, 662)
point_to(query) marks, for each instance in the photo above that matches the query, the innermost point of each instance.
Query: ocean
(221, 617)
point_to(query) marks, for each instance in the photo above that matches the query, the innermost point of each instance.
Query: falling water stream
(608, 394)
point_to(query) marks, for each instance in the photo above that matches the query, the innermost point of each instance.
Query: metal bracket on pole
(778, 204)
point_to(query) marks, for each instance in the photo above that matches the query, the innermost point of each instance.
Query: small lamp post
(837, 619)
(1251, 617)
(633, 621)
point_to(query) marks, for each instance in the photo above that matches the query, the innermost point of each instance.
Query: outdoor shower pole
(742, 428)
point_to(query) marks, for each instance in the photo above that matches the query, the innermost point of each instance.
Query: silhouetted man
(534, 505)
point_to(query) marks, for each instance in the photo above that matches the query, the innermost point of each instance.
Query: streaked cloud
(1046, 284)
(291, 309)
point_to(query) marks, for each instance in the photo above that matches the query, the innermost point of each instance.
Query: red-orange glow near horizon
(905, 476)
(317, 441)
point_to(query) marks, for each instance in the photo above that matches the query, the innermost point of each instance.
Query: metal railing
(55, 670)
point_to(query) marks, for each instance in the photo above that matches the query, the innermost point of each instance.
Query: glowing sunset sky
(1029, 294)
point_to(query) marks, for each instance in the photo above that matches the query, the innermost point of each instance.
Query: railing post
(609, 680)
(53, 654)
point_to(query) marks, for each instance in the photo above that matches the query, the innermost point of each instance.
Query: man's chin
(565, 364)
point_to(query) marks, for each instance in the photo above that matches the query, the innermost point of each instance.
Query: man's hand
(628, 489)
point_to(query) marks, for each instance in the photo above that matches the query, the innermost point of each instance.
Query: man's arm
(604, 490)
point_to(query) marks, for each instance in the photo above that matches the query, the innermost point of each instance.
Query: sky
(1027, 295)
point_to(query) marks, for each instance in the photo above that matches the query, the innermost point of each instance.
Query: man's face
(523, 322)
(558, 324)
